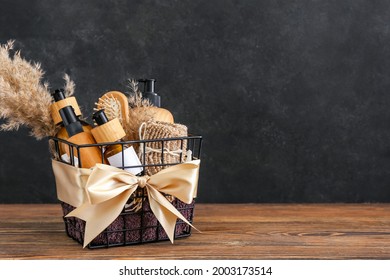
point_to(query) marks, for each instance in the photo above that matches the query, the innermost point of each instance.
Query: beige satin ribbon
(101, 198)
(70, 183)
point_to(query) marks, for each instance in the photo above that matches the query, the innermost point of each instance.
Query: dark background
(291, 97)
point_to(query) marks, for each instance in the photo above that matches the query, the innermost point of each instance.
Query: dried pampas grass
(69, 86)
(135, 95)
(138, 111)
(24, 99)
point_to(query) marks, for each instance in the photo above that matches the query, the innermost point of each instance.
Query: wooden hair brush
(115, 105)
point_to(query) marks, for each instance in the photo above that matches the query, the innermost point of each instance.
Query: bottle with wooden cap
(60, 102)
(86, 157)
(159, 114)
(118, 155)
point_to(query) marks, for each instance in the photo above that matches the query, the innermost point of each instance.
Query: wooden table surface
(229, 231)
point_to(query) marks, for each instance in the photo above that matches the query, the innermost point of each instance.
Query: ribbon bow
(108, 189)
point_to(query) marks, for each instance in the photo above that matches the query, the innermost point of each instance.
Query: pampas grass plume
(24, 99)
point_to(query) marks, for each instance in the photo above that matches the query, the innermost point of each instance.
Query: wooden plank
(229, 231)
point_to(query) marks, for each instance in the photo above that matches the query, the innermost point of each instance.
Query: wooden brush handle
(117, 97)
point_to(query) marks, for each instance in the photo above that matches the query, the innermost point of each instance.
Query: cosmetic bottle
(118, 155)
(159, 114)
(60, 102)
(87, 157)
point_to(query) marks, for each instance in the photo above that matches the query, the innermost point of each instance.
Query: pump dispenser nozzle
(100, 117)
(71, 121)
(60, 101)
(58, 95)
(149, 93)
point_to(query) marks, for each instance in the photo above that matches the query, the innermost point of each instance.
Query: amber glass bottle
(60, 102)
(118, 155)
(86, 157)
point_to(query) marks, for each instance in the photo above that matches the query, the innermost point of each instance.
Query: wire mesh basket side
(136, 224)
(131, 227)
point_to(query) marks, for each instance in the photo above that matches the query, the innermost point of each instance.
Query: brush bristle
(111, 106)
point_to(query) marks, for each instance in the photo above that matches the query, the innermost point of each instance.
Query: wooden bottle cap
(111, 131)
(56, 106)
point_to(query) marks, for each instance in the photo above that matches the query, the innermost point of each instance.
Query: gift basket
(130, 178)
(136, 222)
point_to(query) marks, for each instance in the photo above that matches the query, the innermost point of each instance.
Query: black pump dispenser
(149, 93)
(100, 117)
(58, 95)
(70, 120)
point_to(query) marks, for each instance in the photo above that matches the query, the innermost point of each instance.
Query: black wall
(292, 97)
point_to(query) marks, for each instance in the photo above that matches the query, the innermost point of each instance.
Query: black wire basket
(136, 224)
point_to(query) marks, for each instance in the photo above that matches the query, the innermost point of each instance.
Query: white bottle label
(130, 158)
(66, 158)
